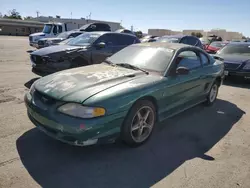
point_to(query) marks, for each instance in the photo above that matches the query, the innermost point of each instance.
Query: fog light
(90, 142)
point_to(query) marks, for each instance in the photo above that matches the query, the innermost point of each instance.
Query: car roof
(239, 43)
(109, 32)
(173, 46)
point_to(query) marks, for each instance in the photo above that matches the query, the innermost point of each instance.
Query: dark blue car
(185, 39)
(236, 57)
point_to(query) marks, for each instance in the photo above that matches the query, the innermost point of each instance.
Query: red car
(215, 46)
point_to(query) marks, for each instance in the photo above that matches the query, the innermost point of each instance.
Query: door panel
(182, 91)
(100, 54)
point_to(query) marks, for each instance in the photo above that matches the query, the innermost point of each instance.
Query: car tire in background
(139, 123)
(212, 95)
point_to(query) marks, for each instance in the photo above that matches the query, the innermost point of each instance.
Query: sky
(177, 15)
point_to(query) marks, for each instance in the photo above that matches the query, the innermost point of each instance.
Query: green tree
(198, 34)
(13, 14)
(27, 17)
(193, 34)
(138, 34)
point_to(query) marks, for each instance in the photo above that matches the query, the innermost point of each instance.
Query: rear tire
(139, 123)
(212, 95)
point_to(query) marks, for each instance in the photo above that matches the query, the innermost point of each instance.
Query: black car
(95, 27)
(59, 38)
(236, 57)
(125, 31)
(86, 49)
(185, 39)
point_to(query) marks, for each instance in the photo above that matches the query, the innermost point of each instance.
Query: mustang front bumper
(75, 131)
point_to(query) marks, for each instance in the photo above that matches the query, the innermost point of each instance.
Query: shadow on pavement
(183, 137)
(30, 82)
(237, 82)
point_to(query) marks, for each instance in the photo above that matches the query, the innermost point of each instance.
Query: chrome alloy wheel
(213, 93)
(142, 124)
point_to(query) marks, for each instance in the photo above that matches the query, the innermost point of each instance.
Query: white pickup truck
(50, 29)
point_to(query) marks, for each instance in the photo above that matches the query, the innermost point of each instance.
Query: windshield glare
(63, 35)
(169, 39)
(236, 49)
(83, 39)
(145, 57)
(217, 44)
(47, 28)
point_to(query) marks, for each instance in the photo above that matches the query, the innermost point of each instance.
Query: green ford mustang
(125, 96)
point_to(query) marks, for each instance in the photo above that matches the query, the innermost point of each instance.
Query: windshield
(169, 39)
(236, 49)
(47, 28)
(217, 44)
(85, 27)
(84, 39)
(63, 35)
(144, 57)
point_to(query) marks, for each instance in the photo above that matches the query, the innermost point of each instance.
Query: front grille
(41, 42)
(37, 59)
(44, 98)
(231, 66)
(30, 39)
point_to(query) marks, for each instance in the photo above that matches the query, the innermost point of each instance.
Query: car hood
(54, 38)
(234, 58)
(37, 34)
(78, 84)
(56, 49)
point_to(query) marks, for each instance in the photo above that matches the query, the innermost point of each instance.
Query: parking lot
(202, 147)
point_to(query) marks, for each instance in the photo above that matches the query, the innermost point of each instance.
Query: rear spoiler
(215, 56)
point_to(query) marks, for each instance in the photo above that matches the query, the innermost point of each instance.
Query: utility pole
(37, 13)
(90, 15)
(132, 27)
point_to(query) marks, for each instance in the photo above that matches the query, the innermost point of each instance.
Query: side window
(188, 59)
(59, 29)
(192, 41)
(184, 40)
(204, 59)
(108, 39)
(55, 29)
(102, 27)
(125, 40)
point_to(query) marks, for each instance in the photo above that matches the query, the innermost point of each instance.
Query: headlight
(247, 66)
(32, 89)
(78, 110)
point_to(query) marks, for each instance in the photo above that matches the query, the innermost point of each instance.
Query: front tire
(212, 96)
(139, 123)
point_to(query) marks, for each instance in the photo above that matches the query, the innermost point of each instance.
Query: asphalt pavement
(203, 147)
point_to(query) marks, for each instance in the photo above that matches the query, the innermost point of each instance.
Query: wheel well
(151, 99)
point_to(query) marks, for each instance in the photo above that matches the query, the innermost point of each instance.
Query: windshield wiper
(109, 62)
(126, 65)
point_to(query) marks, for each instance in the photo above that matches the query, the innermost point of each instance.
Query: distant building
(224, 34)
(162, 32)
(26, 27)
(78, 22)
(19, 27)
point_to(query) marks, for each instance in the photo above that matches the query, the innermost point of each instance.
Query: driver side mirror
(100, 45)
(182, 71)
